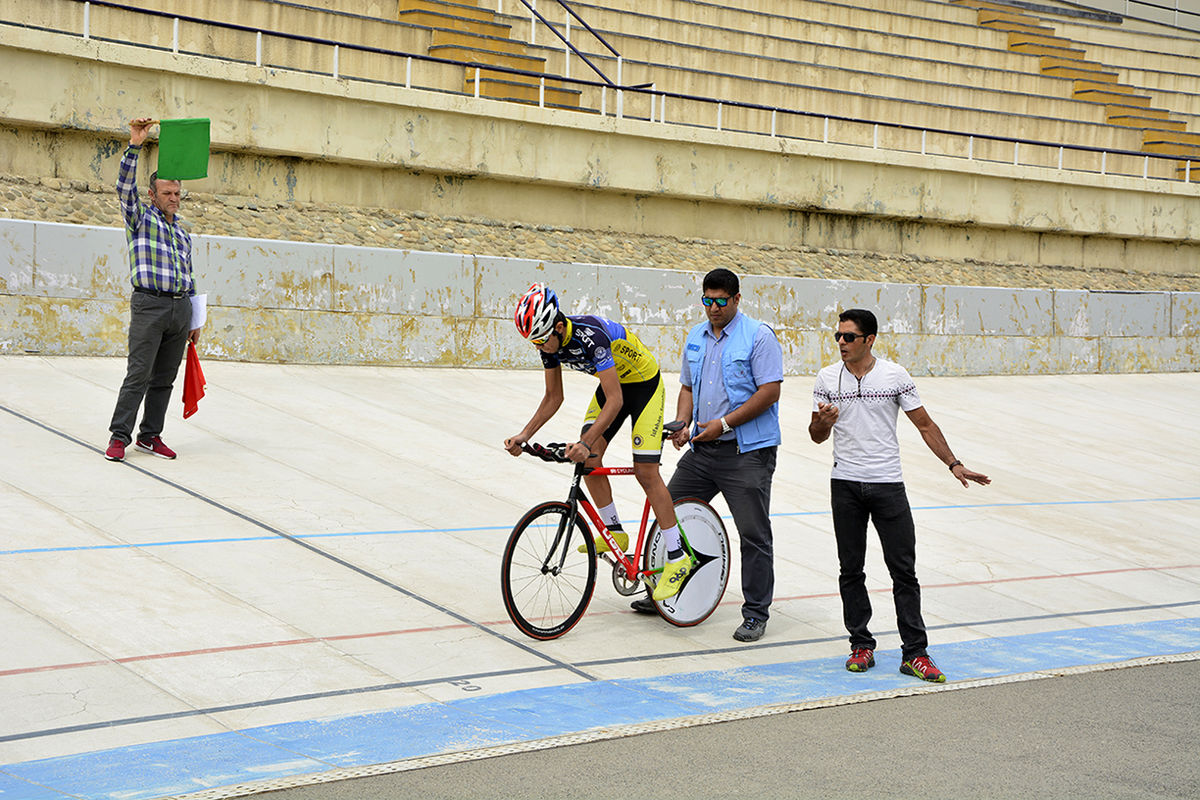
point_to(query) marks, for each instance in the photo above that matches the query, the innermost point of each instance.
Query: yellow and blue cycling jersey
(593, 344)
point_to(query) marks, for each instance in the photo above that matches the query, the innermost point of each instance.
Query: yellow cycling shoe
(671, 579)
(602, 546)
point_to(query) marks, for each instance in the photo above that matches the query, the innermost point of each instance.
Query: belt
(717, 443)
(157, 293)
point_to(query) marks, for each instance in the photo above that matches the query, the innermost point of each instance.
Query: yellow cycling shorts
(644, 401)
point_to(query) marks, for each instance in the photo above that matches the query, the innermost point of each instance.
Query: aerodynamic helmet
(536, 311)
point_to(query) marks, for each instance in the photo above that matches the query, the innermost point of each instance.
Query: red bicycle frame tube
(631, 570)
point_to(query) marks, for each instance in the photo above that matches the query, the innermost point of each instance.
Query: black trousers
(886, 505)
(158, 333)
(744, 480)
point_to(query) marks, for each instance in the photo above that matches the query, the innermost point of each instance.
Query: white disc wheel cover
(703, 589)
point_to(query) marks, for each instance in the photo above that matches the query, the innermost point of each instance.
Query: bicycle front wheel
(547, 583)
(703, 588)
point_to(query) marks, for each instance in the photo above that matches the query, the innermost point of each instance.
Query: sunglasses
(848, 338)
(720, 301)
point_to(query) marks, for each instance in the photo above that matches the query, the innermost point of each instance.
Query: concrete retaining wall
(64, 291)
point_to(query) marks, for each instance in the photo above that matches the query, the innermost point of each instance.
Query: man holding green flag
(160, 320)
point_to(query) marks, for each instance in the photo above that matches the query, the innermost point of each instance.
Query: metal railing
(1194, 17)
(658, 105)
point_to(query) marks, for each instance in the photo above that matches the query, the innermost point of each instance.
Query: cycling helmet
(536, 311)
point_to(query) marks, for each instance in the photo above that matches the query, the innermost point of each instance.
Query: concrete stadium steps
(450, 46)
(270, 15)
(872, 107)
(871, 95)
(461, 9)
(1162, 39)
(501, 86)
(141, 29)
(759, 52)
(381, 9)
(1181, 103)
(863, 62)
(455, 24)
(775, 18)
(1107, 43)
(472, 39)
(1138, 120)
(778, 83)
(735, 32)
(1113, 96)
(1166, 144)
(479, 53)
(691, 69)
(1133, 58)
(678, 65)
(1011, 22)
(1154, 80)
(464, 31)
(1097, 68)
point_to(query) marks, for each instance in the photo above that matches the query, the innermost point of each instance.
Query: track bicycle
(548, 583)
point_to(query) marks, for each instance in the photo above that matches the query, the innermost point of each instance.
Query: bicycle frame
(577, 498)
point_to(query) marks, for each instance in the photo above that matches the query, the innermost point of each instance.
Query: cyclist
(630, 386)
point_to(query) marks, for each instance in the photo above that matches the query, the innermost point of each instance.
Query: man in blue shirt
(730, 382)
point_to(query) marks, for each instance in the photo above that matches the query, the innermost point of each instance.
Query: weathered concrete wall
(64, 291)
(286, 136)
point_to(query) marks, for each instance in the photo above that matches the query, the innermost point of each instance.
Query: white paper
(199, 310)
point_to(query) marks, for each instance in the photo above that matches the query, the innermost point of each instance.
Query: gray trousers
(158, 334)
(744, 480)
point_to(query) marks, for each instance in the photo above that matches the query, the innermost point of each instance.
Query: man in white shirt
(859, 400)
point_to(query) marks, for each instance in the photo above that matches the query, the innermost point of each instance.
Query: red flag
(193, 382)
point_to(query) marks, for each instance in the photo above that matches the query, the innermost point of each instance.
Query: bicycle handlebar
(556, 452)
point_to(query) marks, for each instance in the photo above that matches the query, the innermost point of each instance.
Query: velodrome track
(311, 590)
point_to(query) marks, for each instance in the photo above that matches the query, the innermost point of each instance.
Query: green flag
(182, 149)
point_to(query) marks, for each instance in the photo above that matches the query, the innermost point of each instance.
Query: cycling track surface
(310, 591)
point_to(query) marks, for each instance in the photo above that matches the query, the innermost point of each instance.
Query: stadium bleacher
(966, 66)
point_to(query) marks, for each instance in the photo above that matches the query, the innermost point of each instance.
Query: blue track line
(485, 528)
(158, 769)
(588, 664)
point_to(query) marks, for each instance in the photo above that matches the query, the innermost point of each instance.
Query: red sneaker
(923, 667)
(115, 451)
(155, 445)
(861, 660)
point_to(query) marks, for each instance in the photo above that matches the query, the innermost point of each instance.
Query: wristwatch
(725, 426)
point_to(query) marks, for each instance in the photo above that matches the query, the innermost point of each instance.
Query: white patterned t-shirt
(865, 445)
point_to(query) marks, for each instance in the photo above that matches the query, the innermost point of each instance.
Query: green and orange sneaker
(923, 667)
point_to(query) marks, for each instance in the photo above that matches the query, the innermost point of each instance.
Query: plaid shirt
(160, 252)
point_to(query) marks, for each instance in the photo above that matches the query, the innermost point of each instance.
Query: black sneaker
(751, 630)
(644, 605)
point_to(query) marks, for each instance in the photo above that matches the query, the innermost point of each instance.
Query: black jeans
(158, 334)
(744, 480)
(886, 504)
